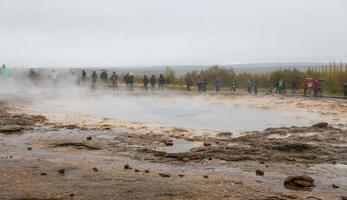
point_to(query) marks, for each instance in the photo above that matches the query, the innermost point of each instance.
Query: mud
(196, 166)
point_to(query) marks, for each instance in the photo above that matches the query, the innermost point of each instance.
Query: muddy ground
(40, 159)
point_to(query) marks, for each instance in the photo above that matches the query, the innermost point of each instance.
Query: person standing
(94, 78)
(199, 83)
(153, 81)
(189, 83)
(131, 81)
(217, 84)
(345, 89)
(161, 81)
(145, 82)
(249, 86)
(255, 86)
(114, 78)
(84, 76)
(294, 86)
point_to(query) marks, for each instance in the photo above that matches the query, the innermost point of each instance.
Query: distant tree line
(332, 76)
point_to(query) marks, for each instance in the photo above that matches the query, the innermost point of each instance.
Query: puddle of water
(180, 146)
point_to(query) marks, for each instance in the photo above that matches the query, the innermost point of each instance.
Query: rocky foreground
(41, 160)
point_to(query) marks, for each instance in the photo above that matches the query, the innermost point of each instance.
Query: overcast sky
(78, 33)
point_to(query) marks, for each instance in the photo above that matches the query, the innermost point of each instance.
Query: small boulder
(61, 171)
(320, 125)
(185, 159)
(89, 138)
(164, 175)
(29, 148)
(207, 143)
(126, 166)
(259, 172)
(299, 182)
(205, 176)
(95, 169)
(146, 170)
(43, 174)
(136, 170)
(335, 186)
(181, 175)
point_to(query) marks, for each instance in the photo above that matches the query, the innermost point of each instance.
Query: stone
(11, 128)
(185, 159)
(224, 134)
(43, 174)
(126, 166)
(89, 138)
(168, 142)
(320, 125)
(181, 175)
(61, 171)
(207, 143)
(164, 174)
(335, 186)
(299, 182)
(29, 148)
(343, 197)
(146, 170)
(95, 169)
(259, 172)
(136, 170)
(205, 176)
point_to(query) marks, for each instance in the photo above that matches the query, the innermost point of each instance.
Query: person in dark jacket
(189, 83)
(94, 78)
(145, 82)
(345, 88)
(294, 86)
(153, 81)
(131, 81)
(161, 81)
(84, 76)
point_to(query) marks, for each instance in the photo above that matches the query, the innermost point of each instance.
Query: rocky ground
(40, 159)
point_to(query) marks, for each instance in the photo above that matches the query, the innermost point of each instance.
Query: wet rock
(126, 166)
(168, 142)
(207, 143)
(61, 171)
(75, 145)
(95, 169)
(224, 134)
(89, 138)
(299, 182)
(43, 174)
(259, 172)
(313, 198)
(185, 159)
(29, 148)
(11, 128)
(335, 186)
(164, 174)
(297, 147)
(321, 125)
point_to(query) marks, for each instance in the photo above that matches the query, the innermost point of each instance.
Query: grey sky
(77, 33)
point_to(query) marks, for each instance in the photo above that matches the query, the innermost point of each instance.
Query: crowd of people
(309, 85)
(128, 79)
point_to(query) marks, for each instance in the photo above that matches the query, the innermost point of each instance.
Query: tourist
(161, 82)
(145, 82)
(153, 81)
(294, 86)
(114, 78)
(217, 84)
(94, 78)
(189, 83)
